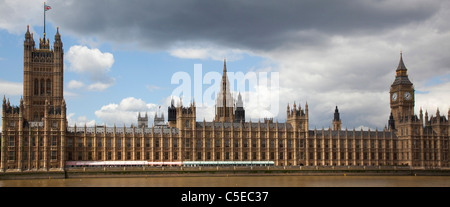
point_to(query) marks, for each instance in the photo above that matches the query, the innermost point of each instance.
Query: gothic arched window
(49, 87)
(36, 87)
(42, 86)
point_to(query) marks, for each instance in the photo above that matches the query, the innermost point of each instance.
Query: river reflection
(240, 181)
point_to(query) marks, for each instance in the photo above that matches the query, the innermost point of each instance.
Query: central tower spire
(224, 66)
(224, 101)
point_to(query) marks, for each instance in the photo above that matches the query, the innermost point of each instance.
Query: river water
(240, 181)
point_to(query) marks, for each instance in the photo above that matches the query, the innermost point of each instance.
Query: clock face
(394, 97)
(407, 96)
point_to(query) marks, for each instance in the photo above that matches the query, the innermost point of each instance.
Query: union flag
(47, 8)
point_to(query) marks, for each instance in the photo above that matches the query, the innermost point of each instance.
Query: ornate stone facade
(35, 135)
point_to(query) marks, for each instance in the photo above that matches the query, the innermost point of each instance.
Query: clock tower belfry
(401, 93)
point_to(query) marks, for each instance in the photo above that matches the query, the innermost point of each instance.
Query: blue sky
(139, 74)
(119, 61)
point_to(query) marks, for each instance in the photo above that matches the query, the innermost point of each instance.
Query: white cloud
(190, 53)
(132, 104)
(73, 84)
(100, 86)
(79, 121)
(206, 112)
(437, 96)
(15, 15)
(355, 73)
(82, 59)
(126, 111)
(10, 88)
(97, 86)
(206, 52)
(91, 62)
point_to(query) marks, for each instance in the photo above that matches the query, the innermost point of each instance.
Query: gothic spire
(224, 65)
(401, 69)
(401, 74)
(336, 114)
(224, 102)
(401, 65)
(239, 102)
(27, 34)
(224, 98)
(57, 36)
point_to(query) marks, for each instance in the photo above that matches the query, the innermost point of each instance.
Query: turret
(46, 121)
(143, 121)
(287, 110)
(421, 117)
(57, 38)
(438, 115)
(239, 113)
(336, 114)
(3, 114)
(21, 105)
(306, 109)
(28, 44)
(4, 107)
(58, 62)
(391, 122)
(336, 120)
(159, 121)
(297, 117)
(172, 114)
(27, 34)
(185, 117)
(44, 43)
(58, 45)
(21, 115)
(63, 115)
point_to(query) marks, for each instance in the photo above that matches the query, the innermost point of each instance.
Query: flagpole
(44, 18)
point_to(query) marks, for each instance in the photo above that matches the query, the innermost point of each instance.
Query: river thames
(239, 181)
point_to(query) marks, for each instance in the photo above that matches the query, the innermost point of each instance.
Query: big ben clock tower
(401, 94)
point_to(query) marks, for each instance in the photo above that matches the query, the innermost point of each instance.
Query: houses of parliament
(35, 134)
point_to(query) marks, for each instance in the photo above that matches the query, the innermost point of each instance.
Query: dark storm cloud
(257, 25)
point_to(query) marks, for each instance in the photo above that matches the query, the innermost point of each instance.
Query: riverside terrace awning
(230, 163)
(118, 163)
